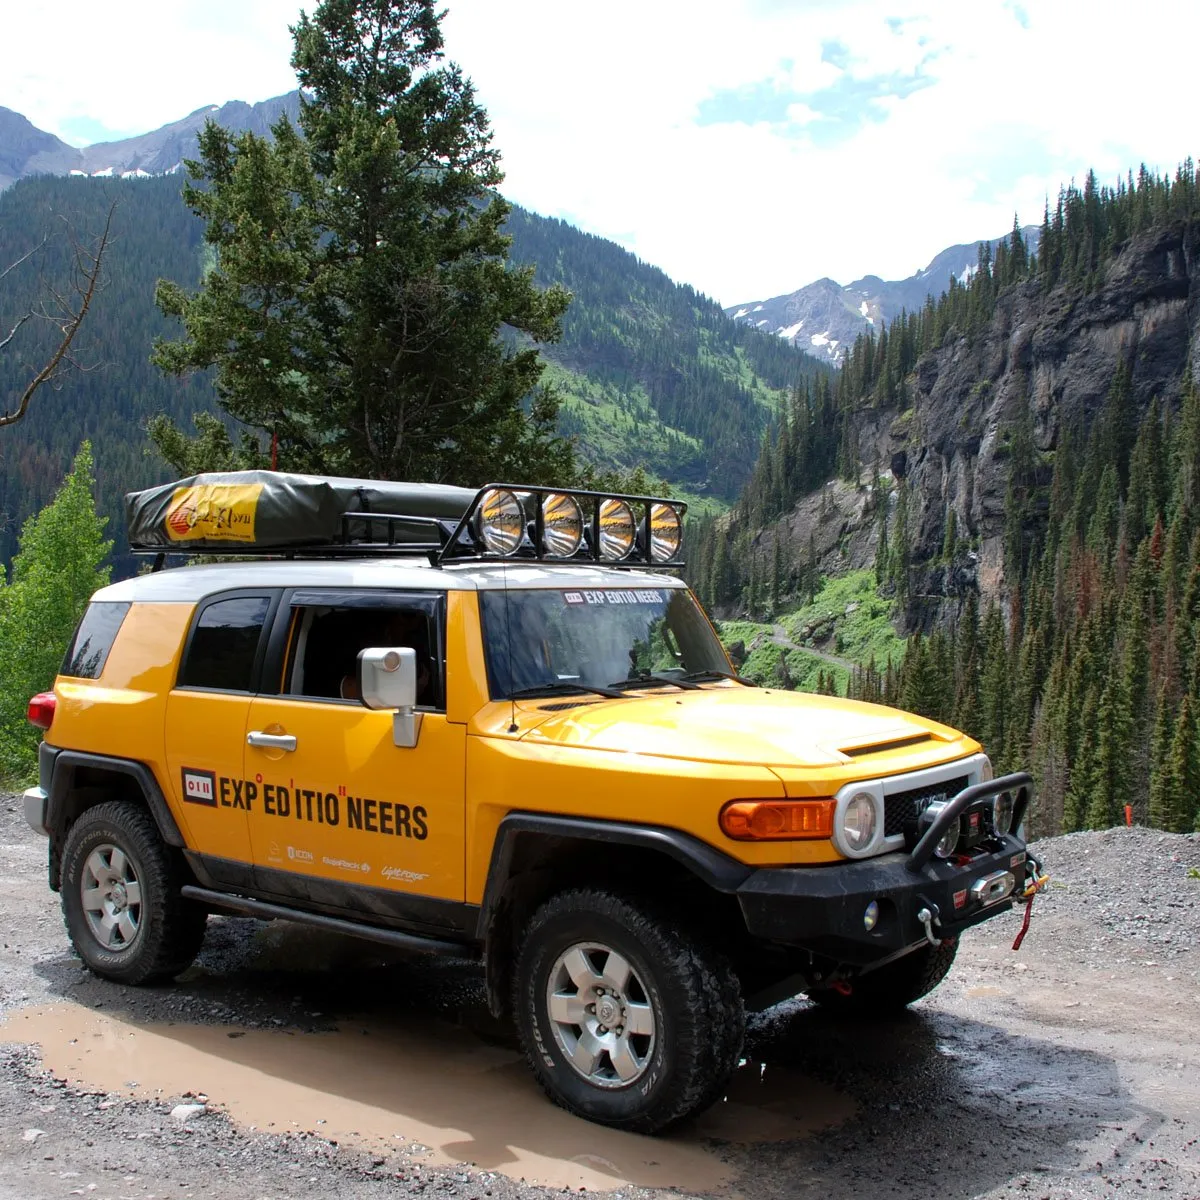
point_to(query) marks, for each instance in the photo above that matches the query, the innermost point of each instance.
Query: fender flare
(715, 869)
(62, 780)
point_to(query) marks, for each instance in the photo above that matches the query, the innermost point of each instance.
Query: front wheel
(120, 897)
(626, 1019)
(892, 988)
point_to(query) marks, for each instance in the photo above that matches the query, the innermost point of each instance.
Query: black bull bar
(1020, 782)
(920, 897)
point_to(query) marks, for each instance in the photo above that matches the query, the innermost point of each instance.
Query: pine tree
(1110, 774)
(1161, 786)
(360, 288)
(1182, 777)
(1083, 770)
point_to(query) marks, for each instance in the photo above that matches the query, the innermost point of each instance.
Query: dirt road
(287, 1064)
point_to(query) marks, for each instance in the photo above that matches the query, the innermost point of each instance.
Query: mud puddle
(421, 1085)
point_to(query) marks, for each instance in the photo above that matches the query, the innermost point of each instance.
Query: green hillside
(652, 373)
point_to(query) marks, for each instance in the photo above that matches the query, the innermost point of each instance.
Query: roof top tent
(231, 512)
(276, 513)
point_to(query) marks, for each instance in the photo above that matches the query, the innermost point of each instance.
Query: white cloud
(595, 117)
(597, 111)
(133, 65)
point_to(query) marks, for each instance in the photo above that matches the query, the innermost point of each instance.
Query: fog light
(871, 916)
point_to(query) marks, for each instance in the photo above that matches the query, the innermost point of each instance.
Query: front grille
(900, 808)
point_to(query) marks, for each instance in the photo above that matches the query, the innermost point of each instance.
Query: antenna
(512, 727)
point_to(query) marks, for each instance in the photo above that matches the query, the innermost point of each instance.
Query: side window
(326, 640)
(93, 639)
(224, 644)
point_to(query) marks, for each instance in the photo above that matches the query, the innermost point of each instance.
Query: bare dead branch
(12, 266)
(69, 319)
(12, 333)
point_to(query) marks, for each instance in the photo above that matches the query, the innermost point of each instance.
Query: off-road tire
(894, 987)
(170, 928)
(691, 987)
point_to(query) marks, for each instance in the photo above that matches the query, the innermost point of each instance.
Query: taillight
(41, 710)
(777, 820)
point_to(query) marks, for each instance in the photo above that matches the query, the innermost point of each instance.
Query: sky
(747, 147)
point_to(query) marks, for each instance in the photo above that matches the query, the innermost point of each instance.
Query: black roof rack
(267, 514)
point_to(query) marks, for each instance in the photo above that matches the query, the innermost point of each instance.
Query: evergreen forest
(651, 373)
(1085, 664)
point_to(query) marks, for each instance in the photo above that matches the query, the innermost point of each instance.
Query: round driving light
(949, 842)
(858, 821)
(500, 521)
(666, 532)
(617, 530)
(1002, 813)
(562, 525)
(871, 916)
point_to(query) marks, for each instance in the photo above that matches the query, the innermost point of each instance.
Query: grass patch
(860, 634)
(765, 661)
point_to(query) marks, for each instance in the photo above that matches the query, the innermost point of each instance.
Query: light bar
(519, 522)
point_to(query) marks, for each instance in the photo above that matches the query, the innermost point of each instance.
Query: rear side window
(93, 639)
(224, 644)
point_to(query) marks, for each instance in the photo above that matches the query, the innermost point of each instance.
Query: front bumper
(35, 800)
(822, 909)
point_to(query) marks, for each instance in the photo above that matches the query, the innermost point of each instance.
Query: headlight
(1002, 813)
(949, 840)
(617, 530)
(562, 525)
(858, 821)
(666, 532)
(500, 521)
(986, 773)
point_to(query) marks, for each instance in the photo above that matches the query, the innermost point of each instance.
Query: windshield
(580, 638)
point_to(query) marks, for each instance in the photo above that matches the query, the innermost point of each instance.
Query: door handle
(273, 741)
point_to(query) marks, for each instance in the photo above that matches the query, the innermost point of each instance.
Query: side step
(371, 933)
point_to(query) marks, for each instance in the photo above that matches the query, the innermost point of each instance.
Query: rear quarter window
(89, 648)
(224, 644)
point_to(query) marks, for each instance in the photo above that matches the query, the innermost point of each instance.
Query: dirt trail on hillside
(779, 636)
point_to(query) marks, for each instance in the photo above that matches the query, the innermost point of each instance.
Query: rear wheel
(120, 897)
(892, 988)
(626, 1018)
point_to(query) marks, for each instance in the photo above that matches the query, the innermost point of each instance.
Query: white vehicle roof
(190, 584)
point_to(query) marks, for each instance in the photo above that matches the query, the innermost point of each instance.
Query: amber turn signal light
(777, 820)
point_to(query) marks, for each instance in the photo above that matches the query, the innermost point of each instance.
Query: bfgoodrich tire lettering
(166, 932)
(895, 986)
(698, 1018)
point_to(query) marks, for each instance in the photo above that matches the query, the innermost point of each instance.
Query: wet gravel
(1070, 1069)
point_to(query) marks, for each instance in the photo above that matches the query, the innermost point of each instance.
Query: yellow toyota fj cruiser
(489, 724)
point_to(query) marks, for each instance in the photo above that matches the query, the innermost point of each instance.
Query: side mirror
(387, 679)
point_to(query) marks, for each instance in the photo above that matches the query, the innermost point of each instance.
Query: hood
(739, 725)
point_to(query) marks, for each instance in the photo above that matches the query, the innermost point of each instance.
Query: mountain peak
(27, 150)
(824, 317)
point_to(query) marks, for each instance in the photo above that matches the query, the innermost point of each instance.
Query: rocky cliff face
(1054, 354)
